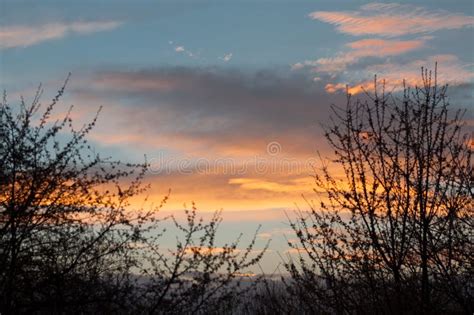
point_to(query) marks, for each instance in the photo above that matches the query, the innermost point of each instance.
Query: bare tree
(197, 277)
(393, 233)
(70, 240)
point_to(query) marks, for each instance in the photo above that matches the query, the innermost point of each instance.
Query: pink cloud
(450, 71)
(380, 47)
(24, 36)
(388, 20)
(392, 20)
(360, 49)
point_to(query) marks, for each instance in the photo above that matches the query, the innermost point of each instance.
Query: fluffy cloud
(26, 35)
(392, 20)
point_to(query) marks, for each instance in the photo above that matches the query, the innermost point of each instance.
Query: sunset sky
(226, 98)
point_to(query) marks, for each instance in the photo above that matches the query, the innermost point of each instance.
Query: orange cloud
(380, 47)
(217, 191)
(356, 89)
(392, 20)
(296, 185)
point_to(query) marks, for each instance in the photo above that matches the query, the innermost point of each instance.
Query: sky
(228, 99)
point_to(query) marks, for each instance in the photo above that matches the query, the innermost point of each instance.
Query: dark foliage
(71, 243)
(393, 232)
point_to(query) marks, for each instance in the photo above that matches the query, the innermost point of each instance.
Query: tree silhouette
(393, 232)
(70, 241)
(198, 277)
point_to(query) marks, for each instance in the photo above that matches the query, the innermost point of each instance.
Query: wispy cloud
(298, 185)
(379, 47)
(451, 71)
(392, 19)
(358, 50)
(226, 57)
(182, 50)
(357, 61)
(28, 35)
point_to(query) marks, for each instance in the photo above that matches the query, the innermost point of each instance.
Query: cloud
(451, 71)
(353, 67)
(219, 193)
(181, 49)
(226, 57)
(134, 82)
(25, 35)
(226, 112)
(392, 20)
(191, 116)
(379, 47)
(356, 88)
(357, 50)
(300, 184)
(204, 251)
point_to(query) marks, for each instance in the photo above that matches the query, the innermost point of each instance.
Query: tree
(198, 277)
(393, 233)
(67, 225)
